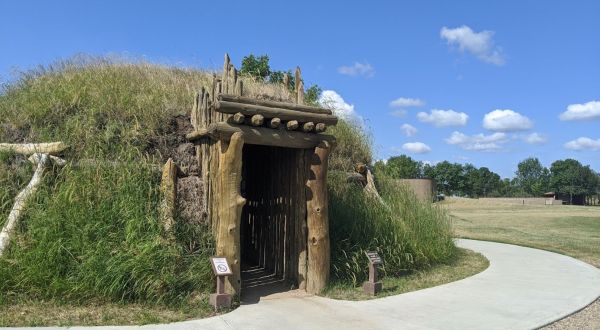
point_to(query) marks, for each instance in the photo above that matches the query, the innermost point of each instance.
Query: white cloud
(416, 147)
(441, 118)
(478, 142)
(583, 143)
(586, 111)
(479, 44)
(506, 121)
(404, 102)
(358, 69)
(408, 130)
(332, 100)
(535, 138)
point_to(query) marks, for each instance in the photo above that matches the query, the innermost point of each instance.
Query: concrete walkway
(522, 289)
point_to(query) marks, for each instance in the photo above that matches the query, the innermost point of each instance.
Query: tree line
(567, 178)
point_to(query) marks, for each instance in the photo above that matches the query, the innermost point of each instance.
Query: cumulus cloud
(480, 44)
(583, 143)
(416, 147)
(332, 100)
(535, 138)
(357, 69)
(405, 102)
(408, 130)
(441, 118)
(585, 111)
(506, 121)
(478, 142)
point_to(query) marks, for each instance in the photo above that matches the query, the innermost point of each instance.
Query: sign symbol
(222, 268)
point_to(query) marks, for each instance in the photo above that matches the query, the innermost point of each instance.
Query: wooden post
(238, 118)
(299, 87)
(229, 207)
(225, 80)
(318, 221)
(168, 191)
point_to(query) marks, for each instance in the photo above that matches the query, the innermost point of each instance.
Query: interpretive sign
(220, 266)
(374, 257)
(373, 286)
(221, 269)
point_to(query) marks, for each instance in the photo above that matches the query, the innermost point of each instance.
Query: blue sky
(530, 60)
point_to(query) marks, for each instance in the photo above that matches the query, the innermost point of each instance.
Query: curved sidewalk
(523, 288)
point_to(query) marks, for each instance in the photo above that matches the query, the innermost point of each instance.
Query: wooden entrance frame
(224, 120)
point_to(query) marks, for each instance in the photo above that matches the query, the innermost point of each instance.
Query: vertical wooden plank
(301, 226)
(225, 80)
(299, 87)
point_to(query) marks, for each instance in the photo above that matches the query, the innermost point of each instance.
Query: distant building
(566, 198)
(424, 189)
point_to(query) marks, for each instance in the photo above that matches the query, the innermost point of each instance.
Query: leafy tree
(532, 177)
(401, 167)
(312, 95)
(449, 177)
(570, 177)
(256, 66)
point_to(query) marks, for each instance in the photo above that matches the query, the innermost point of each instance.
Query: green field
(570, 230)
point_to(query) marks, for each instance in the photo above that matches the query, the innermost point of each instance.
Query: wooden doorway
(273, 233)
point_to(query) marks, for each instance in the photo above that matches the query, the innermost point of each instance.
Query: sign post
(373, 286)
(221, 269)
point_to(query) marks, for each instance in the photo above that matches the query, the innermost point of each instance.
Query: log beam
(238, 118)
(291, 125)
(320, 128)
(318, 221)
(257, 120)
(271, 112)
(308, 127)
(275, 122)
(52, 148)
(261, 135)
(274, 104)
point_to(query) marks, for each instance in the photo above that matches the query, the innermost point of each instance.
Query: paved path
(522, 289)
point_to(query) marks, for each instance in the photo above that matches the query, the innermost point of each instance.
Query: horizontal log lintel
(262, 136)
(274, 104)
(271, 112)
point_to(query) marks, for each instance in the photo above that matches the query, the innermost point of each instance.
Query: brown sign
(374, 257)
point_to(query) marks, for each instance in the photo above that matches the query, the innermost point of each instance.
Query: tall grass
(15, 173)
(407, 233)
(93, 233)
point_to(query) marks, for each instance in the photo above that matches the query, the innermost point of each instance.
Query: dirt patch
(170, 137)
(184, 155)
(10, 133)
(189, 200)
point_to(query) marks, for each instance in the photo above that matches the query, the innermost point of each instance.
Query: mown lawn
(570, 230)
(467, 263)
